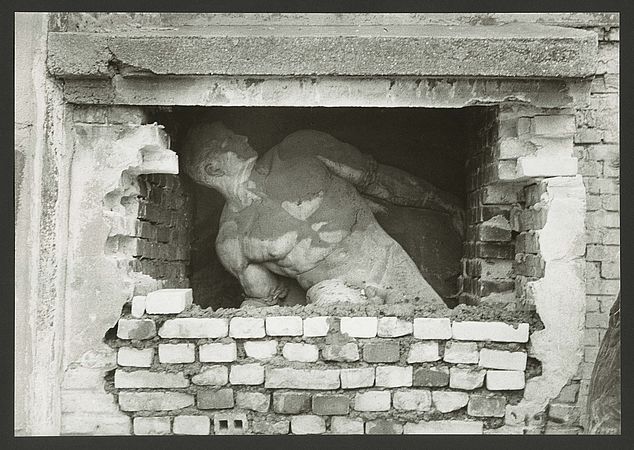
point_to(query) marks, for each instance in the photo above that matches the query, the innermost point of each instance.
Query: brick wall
(180, 372)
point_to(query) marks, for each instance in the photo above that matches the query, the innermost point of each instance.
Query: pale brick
(372, 401)
(606, 152)
(489, 331)
(590, 354)
(597, 320)
(331, 404)
(177, 353)
(505, 380)
(138, 306)
(316, 326)
(212, 376)
(467, 379)
(412, 400)
(461, 352)
(147, 379)
(192, 425)
(423, 352)
(284, 326)
(283, 377)
(357, 378)
(270, 427)
(193, 328)
(151, 425)
(383, 426)
(168, 301)
(95, 424)
(341, 352)
(308, 424)
(385, 351)
(393, 376)
(501, 359)
(220, 399)
(246, 327)
(444, 427)
(260, 349)
(360, 327)
(346, 425)
(154, 401)
(255, 401)
(546, 166)
(137, 329)
(250, 374)
(513, 148)
(133, 357)
(88, 401)
(486, 406)
(432, 328)
(554, 125)
(607, 253)
(587, 136)
(394, 327)
(218, 352)
(78, 377)
(291, 402)
(300, 352)
(447, 401)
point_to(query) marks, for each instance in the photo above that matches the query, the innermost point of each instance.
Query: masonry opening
(430, 144)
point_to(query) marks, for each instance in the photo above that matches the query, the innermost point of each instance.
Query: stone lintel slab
(511, 50)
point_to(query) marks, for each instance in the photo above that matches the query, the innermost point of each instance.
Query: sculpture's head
(215, 156)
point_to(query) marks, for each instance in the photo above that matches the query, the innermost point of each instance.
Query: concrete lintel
(511, 50)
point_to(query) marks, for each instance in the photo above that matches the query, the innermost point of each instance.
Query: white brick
(133, 357)
(361, 327)
(432, 328)
(251, 374)
(193, 425)
(461, 352)
(212, 376)
(168, 301)
(444, 427)
(316, 326)
(372, 401)
(147, 379)
(151, 425)
(489, 331)
(394, 327)
(500, 359)
(423, 352)
(177, 353)
(260, 349)
(546, 166)
(300, 352)
(284, 326)
(217, 352)
(154, 401)
(467, 379)
(138, 329)
(554, 125)
(345, 425)
(393, 376)
(505, 380)
(289, 378)
(308, 424)
(447, 401)
(255, 401)
(246, 327)
(412, 400)
(192, 328)
(138, 306)
(357, 378)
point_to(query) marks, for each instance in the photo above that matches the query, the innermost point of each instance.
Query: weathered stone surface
(250, 374)
(291, 402)
(88, 401)
(138, 306)
(177, 353)
(432, 328)
(447, 401)
(341, 352)
(412, 400)
(393, 376)
(501, 359)
(136, 329)
(345, 425)
(294, 351)
(218, 352)
(193, 327)
(431, 377)
(95, 425)
(220, 399)
(308, 424)
(373, 401)
(284, 326)
(316, 326)
(193, 425)
(461, 352)
(357, 378)
(246, 327)
(279, 426)
(132, 357)
(154, 401)
(331, 404)
(467, 379)
(423, 352)
(168, 301)
(505, 380)
(386, 351)
(383, 426)
(444, 427)
(212, 376)
(486, 406)
(260, 349)
(394, 327)
(489, 331)
(277, 378)
(147, 379)
(360, 327)
(151, 425)
(255, 401)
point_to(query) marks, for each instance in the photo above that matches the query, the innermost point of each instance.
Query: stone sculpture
(297, 212)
